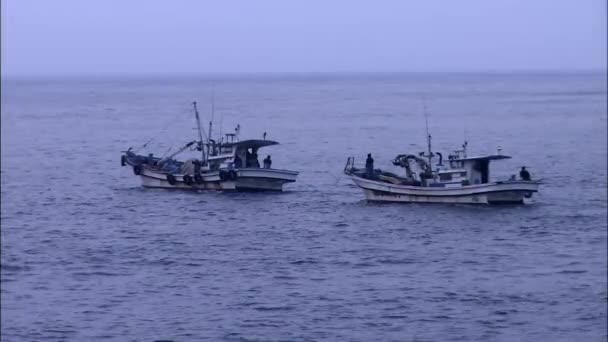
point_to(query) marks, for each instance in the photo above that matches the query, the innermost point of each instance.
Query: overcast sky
(198, 36)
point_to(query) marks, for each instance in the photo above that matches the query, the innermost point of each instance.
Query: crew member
(369, 165)
(238, 162)
(248, 157)
(267, 162)
(524, 174)
(255, 161)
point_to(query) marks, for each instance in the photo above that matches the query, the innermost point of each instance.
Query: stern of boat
(261, 179)
(514, 192)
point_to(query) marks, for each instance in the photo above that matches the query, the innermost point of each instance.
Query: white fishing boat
(229, 164)
(460, 179)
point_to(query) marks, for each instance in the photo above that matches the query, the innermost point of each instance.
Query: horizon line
(112, 74)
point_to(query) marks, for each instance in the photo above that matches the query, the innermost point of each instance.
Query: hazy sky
(137, 36)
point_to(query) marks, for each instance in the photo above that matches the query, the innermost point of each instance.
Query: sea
(89, 255)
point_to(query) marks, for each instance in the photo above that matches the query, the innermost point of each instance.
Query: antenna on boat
(200, 131)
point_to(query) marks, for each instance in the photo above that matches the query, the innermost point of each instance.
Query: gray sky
(41, 37)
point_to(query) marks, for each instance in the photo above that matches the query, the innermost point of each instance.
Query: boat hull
(257, 179)
(490, 193)
(248, 179)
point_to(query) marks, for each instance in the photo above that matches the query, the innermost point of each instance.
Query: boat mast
(428, 137)
(212, 115)
(200, 131)
(464, 146)
(212, 110)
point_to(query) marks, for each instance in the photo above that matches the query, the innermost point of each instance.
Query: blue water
(89, 255)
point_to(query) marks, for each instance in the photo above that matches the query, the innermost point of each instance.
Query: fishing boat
(226, 164)
(460, 179)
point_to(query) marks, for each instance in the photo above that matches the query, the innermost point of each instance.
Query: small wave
(394, 316)
(572, 272)
(191, 264)
(13, 268)
(274, 308)
(283, 277)
(396, 261)
(364, 264)
(500, 313)
(57, 331)
(97, 274)
(306, 261)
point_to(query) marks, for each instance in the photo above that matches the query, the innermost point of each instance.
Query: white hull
(249, 179)
(257, 179)
(489, 193)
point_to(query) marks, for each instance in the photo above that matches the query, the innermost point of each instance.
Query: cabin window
(445, 177)
(463, 174)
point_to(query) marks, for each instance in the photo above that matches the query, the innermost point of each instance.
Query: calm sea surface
(89, 255)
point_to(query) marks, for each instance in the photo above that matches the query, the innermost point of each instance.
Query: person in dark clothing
(238, 162)
(422, 176)
(255, 162)
(248, 162)
(369, 165)
(524, 174)
(267, 162)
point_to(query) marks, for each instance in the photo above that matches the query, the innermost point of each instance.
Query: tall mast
(200, 131)
(212, 109)
(428, 136)
(211, 121)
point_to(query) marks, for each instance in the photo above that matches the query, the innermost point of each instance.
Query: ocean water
(89, 255)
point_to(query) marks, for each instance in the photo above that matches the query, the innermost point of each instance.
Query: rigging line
(163, 156)
(198, 123)
(162, 130)
(212, 109)
(144, 145)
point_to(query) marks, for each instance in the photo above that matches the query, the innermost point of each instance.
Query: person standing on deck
(369, 166)
(238, 162)
(248, 162)
(267, 162)
(524, 174)
(254, 160)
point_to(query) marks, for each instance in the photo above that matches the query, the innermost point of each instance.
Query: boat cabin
(451, 177)
(468, 170)
(239, 154)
